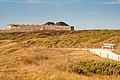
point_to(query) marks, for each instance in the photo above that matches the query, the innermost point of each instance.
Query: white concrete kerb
(105, 53)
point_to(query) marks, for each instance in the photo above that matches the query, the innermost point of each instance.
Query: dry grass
(117, 51)
(83, 38)
(22, 58)
(37, 63)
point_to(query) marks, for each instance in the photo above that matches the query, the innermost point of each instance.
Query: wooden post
(107, 56)
(100, 54)
(118, 58)
(90, 50)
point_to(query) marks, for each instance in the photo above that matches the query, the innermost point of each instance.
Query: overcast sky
(83, 14)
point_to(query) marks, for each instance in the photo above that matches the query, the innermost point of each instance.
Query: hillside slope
(83, 38)
(24, 56)
(37, 63)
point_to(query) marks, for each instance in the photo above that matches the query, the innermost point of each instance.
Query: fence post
(107, 56)
(90, 50)
(118, 58)
(100, 54)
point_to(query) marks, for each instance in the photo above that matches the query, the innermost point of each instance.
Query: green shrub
(104, 68)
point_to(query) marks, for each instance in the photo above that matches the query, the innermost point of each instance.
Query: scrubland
(29, 55)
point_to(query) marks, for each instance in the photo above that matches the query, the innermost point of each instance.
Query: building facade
(108, 46)
(46, 26)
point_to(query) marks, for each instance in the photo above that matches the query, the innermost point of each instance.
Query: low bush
(104, 68)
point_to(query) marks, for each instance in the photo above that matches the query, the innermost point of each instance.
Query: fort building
(46, 26)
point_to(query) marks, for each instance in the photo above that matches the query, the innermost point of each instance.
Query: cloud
(52, 1)
(12, 1)
(113, 2)
(40, 1)
(21, 1)
(33, 1)
(98, 13)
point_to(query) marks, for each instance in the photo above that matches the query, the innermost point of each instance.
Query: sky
(83, 14)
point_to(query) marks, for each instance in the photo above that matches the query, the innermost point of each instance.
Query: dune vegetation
(83, 38)
(29, 55)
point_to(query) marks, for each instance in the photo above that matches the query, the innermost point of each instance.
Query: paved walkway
(105, 53)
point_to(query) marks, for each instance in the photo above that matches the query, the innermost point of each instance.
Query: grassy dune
(83, 38)
(23, 55)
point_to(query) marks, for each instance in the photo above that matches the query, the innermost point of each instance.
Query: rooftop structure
(61, 24)
(49, 23)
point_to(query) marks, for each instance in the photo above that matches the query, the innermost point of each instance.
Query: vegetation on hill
(24, 56)
(104, 68)
(83, 38)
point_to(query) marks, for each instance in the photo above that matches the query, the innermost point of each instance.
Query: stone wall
(37, 27)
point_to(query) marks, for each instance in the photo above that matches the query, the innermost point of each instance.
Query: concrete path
(105, 53)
